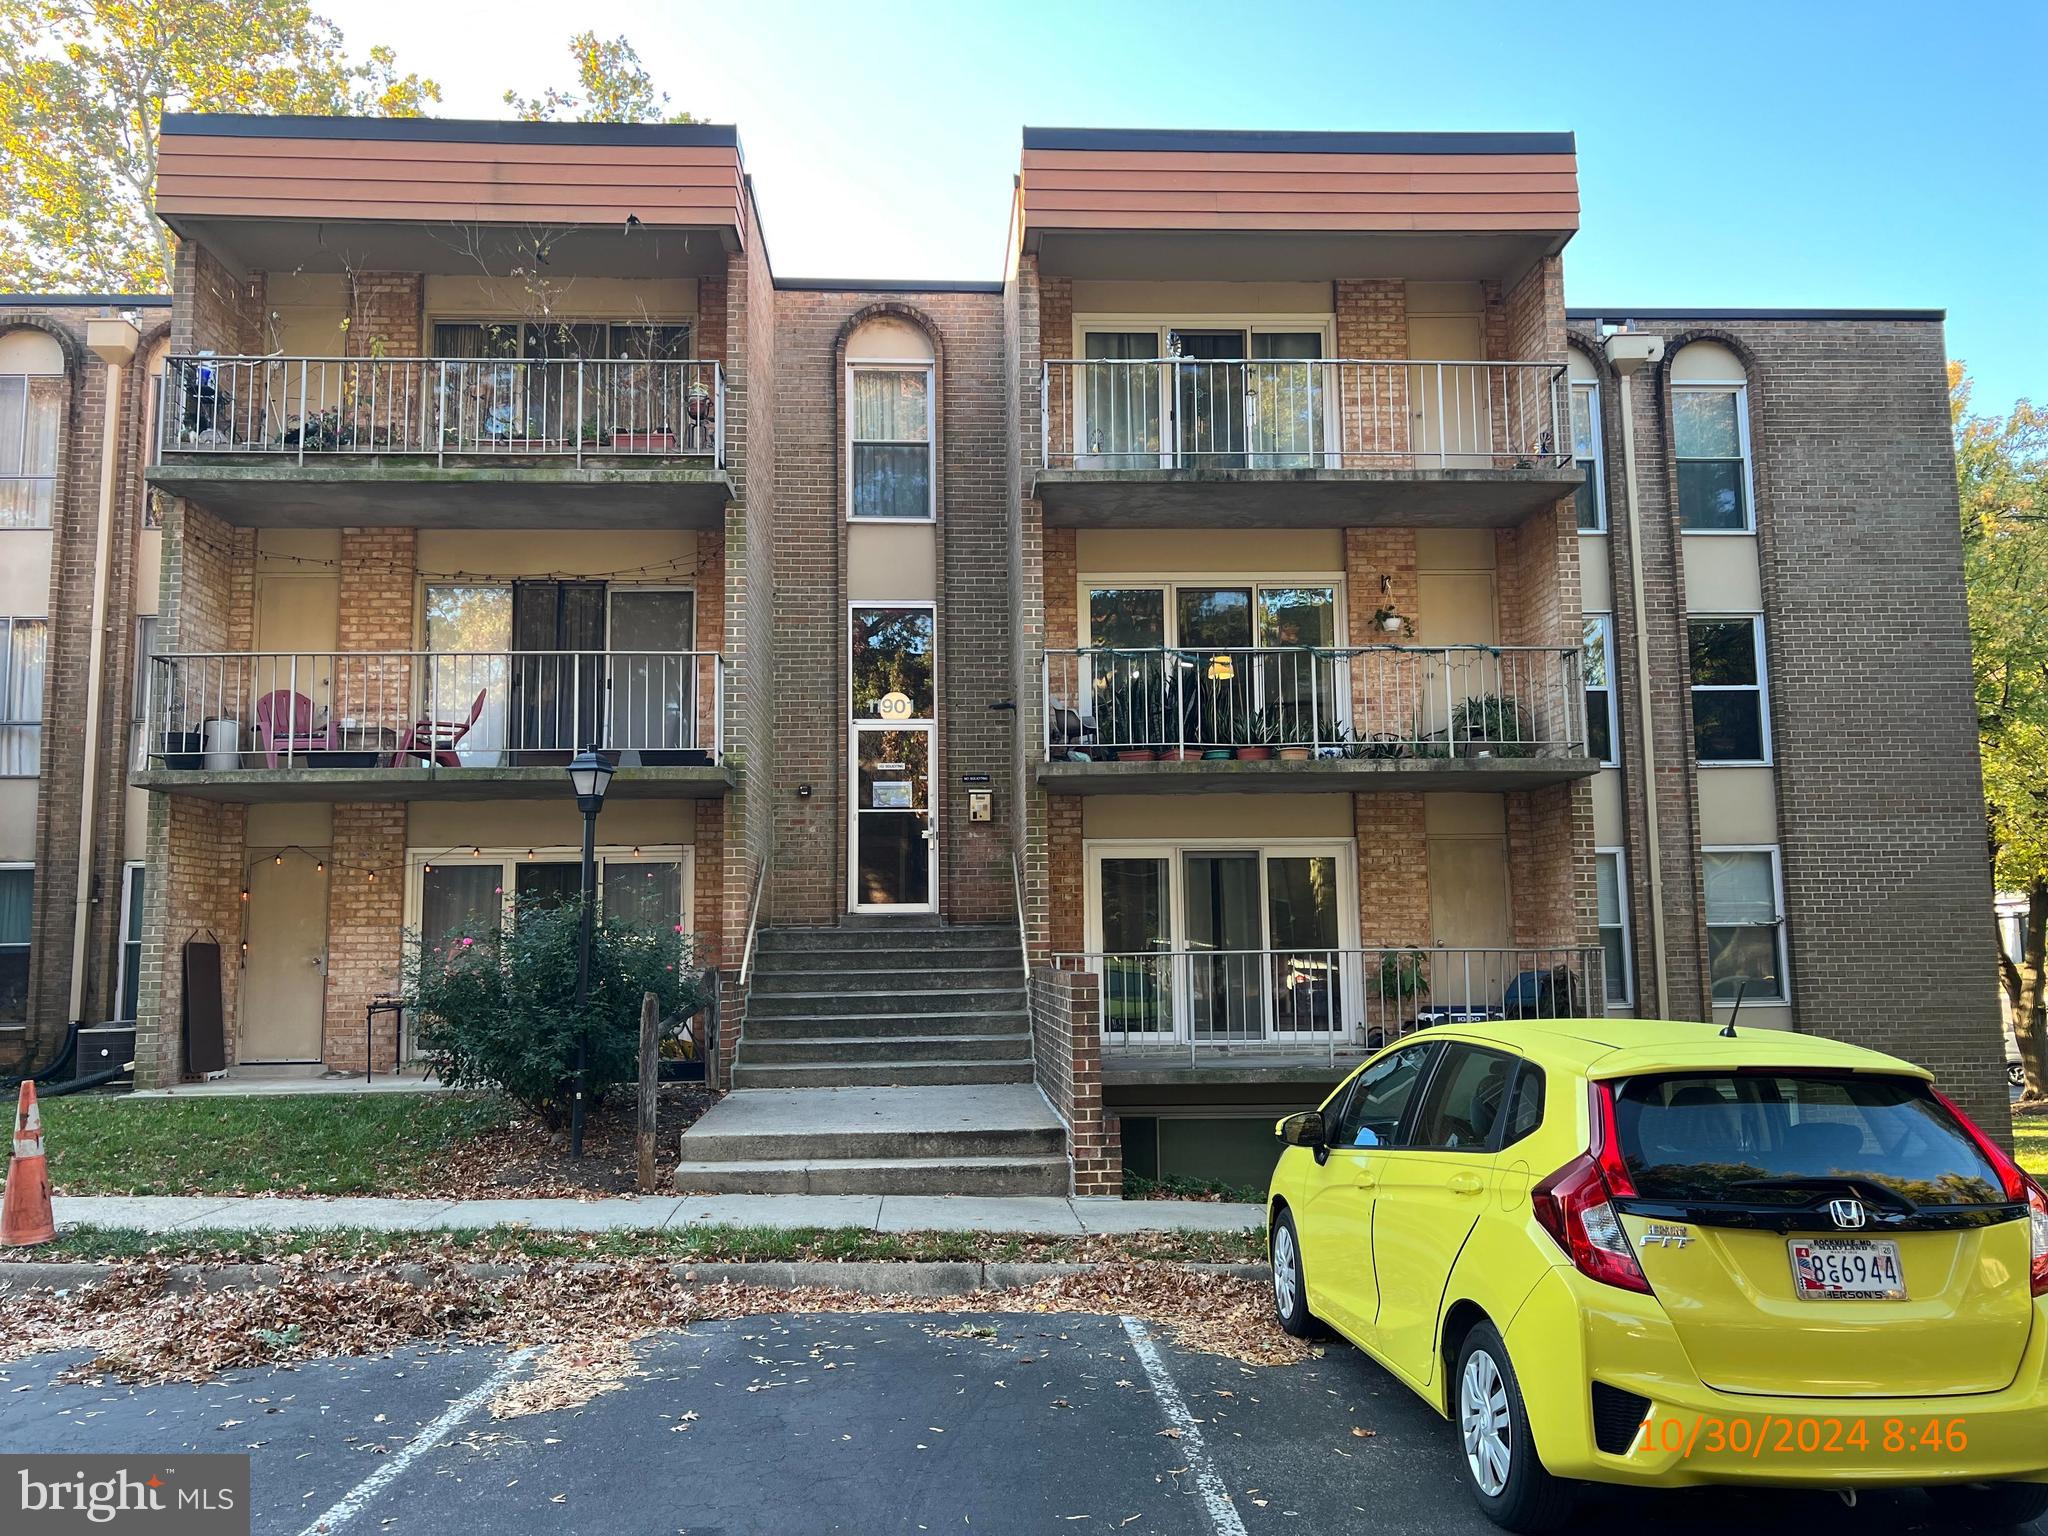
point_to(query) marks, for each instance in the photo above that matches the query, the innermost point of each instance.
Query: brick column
(1553, 894)
(1393, 868)
(1372, 326)
(1066, 1027)
(710, 636)
(1065, 876)
(195, 878)
(365, 930)
(1381, 687)
(376, 591)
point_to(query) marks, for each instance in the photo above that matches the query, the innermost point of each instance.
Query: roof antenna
(1728, 1029)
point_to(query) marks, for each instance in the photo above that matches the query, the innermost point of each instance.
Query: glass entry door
(893, 864)
(1223, 927)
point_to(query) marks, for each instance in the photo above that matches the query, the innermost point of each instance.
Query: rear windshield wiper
(1869, 1189)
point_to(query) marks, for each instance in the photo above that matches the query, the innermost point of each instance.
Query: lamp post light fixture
(590, 775)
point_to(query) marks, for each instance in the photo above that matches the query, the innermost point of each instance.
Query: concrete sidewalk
(659, 1213)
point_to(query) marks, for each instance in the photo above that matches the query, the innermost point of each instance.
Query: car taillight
(2019, 1187)
(1575, 1205)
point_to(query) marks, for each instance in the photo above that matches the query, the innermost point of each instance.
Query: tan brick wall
(1062, 591)
(1369, 554)
(365, 931)
(1065, 874)
(1372, 325)
(196, 881)
(1552, 896)
(386, 315)
(1393, 868)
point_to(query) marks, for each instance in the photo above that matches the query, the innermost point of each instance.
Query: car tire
(1508, 1481)
(1290, 1282)
(1990, 1506)
(2015, 1075)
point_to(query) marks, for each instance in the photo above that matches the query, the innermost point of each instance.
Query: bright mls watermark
(174, 1496)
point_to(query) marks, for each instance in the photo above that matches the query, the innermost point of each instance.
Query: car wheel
(2015, 1074)
(1290, 1287)
(1990, 1506)
(1511, 1485)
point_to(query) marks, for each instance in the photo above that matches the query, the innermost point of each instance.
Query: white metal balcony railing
(1323, 1002)
(327, 407)
(1323, 413)
(1379, 701)
(402, 709)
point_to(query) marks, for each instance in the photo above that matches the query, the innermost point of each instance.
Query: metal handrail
(451, 709)
(1320, 1000)
(753, 924)
(1017, 890)
(1375, 701)
(1130, 414)
(329, 407)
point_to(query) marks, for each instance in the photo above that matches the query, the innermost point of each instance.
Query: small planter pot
(1136, 755)
(1218, 755)
(1180, 755)
(1254, 754)
(1292, 754)
(643, 442)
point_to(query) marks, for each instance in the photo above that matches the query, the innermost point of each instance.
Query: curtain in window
(17, 900)
(891, 443)
(1120, 416)
(1286, 389)
(28, 449)
(645, 896)
(21, 698)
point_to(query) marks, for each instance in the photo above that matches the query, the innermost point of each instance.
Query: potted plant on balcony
(1403, 982)
(1134, 719)
(1490, 725)
(1257, 734)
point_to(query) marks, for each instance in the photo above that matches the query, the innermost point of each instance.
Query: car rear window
(1761, 1138)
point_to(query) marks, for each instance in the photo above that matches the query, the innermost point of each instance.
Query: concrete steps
(879, 1176)
(856, 1050)
(890, 1074)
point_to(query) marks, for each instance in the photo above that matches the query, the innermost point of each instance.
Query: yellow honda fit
(1630, 1251)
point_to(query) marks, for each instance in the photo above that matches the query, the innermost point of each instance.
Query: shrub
(496, 1008)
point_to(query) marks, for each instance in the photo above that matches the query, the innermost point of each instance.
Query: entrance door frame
(321, 856)
(1174, 851)
(855, 728)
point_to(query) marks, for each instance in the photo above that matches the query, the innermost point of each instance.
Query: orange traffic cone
(25, 1216)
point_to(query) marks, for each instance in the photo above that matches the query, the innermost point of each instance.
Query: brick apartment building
(79, 553)
(1263, 621)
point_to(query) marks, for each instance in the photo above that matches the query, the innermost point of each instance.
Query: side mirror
(1302, 1130)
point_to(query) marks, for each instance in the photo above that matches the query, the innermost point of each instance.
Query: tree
(2002, 486)
(612, 87)
(83, 86)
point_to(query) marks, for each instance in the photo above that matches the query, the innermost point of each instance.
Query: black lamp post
(591, 775)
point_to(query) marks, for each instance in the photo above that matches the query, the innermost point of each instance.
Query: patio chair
(436, 740)
(284, 726)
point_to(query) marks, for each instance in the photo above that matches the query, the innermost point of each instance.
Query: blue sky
(1793, 154)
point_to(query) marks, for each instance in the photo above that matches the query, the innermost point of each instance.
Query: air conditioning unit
(102, 1047)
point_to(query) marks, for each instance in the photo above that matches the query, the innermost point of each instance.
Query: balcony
(440, 442)
(1323, 442)
(1167, 721)
(397, 725)
(1247, 1015)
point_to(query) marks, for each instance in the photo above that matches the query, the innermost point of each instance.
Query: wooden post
(650, 1083)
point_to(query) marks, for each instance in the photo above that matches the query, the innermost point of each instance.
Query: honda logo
(1847, 1214)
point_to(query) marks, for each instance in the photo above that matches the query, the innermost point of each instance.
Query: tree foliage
(2002, 487)
(497, 1007)
(612, 86)
(83, 86)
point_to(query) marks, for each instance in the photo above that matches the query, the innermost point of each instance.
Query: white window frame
(929, 368)
(1739, 388)
(1323, 324)
(1610, 687)
(508, 860)
(7, 626)
(1781, 939)
(30, 947)
(856, 725)
(17, 471)
(1621, 991)
(1174, 851)
(1596, 467)
(124, 1005)
(1761, 688)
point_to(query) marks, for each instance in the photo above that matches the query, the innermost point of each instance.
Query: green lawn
(2030, 1144)
(323, 1144)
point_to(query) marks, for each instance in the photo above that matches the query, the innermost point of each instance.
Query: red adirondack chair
(284, 726)
(436, 740)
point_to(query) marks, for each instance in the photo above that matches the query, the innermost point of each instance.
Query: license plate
(1846, 1269)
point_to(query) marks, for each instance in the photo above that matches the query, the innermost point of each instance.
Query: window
(889, 420)
(1372, 1113)
(1610, 868)
(1745, 924)
(134, 884)
(1603, 734)
(28, 448)
(1466, 1095)
(24, 647)
(17, 908)
(464, 889)
(1525, 1106)
(1729, 719)
(1590, 498)
(1710, 440)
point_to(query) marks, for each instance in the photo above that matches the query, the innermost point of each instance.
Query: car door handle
(1466, 1183)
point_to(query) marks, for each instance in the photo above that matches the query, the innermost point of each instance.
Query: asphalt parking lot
(848, 1423)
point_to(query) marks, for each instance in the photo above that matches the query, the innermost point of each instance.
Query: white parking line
(1222, 1513)
(357, 1499)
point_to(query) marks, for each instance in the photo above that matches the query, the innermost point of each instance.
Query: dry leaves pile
(589, 1317)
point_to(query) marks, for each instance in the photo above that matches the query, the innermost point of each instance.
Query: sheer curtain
(17, 902)
(21, 696)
